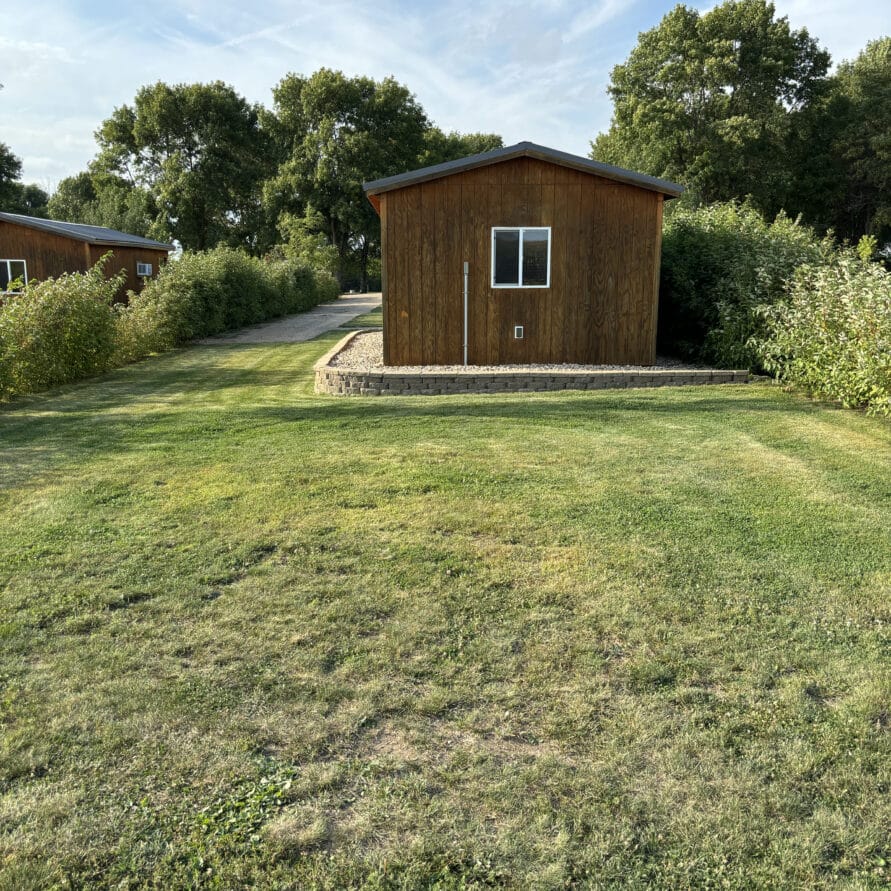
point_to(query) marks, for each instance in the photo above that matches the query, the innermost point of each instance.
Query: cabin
(520, 255)
(32, 248)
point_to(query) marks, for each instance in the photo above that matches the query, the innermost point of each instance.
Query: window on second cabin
(521, 258)
(13, 271)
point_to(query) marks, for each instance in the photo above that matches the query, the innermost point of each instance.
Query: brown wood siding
(605, 246)
(125, 259)
(49, 255)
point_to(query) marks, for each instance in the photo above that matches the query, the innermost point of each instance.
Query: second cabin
(562, 259)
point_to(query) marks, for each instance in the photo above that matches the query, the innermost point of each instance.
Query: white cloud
(488, 66)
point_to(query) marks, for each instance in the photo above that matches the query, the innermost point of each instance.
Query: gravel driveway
(304, 325)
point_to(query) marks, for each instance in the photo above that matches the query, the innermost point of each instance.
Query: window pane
(17, 270)
(535, 257)
(4, 275)
(507, 257)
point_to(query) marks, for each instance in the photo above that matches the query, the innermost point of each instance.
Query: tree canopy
(859, 117)
(15, 196)
(106, 199)
(334, 133)
(712, 100)
(200, 151)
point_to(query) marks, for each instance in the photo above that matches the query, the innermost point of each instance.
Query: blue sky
(488, 65)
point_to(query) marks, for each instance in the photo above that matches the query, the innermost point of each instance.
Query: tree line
(733, 103)
(202, 164)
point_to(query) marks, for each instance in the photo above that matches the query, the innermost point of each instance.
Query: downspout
(466, 273)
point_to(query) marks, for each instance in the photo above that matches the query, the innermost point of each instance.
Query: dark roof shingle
(528, 150)
(83, 232)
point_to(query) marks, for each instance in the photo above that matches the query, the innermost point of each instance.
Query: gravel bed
(366, 352)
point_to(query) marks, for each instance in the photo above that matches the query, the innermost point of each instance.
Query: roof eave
(38, 226)
(528, 150)
(149, 246)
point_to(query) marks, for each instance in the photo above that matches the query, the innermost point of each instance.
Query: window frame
(9, 276)
(151, 269)
(521, 230)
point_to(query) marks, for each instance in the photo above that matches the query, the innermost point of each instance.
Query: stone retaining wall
(379, 382)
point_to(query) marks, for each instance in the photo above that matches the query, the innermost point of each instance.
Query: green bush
(207, 293)
(719, 264)
(832, 334)
(56, 331)
(68, 328)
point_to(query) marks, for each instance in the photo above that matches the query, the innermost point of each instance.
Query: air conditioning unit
(144, 269)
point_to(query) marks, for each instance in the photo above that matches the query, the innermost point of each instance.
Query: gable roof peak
(530, 150)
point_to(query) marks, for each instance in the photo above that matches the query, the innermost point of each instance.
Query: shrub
(57, 330)
(207, 293)
(719, 264)
(300, 287)
(832, 334)
(68, 328)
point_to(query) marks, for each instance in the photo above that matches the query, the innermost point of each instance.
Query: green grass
(256, 637)
(373, 319)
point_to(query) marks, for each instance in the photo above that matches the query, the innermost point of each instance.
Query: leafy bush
(57, 330)
(719, 264)
(832, 335)
(68, 328)
(219, 290)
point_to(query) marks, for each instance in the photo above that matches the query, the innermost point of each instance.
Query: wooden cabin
(562, 256)
(32, 248)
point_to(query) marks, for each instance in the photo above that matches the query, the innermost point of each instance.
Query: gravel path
(366, 351)
(304, 325)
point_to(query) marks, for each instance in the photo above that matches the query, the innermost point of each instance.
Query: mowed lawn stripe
(254, 635)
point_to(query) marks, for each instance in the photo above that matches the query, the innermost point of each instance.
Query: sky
(487, 65)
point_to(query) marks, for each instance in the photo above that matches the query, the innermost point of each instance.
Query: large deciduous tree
(105, 199)
(15, 196)
(861, 113)
(334, 133)
(200, 151)
(440, 147)
(712, 100)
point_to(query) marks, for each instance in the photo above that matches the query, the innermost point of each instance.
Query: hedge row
(64, 329)
(720, 264)
(832, 333)
(738, 292)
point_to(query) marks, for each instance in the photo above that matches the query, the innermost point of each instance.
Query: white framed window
(521, 257)
(10, 271)
(144, 269)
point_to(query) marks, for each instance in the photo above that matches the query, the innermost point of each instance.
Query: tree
(30, 200)
(861, 113)
(200, 151)
(103, 199)
(10, 173)
(17, 197)
(334, 133)
(713, 100)
(440, 147)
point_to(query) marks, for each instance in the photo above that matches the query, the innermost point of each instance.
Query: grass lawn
(252, 636)
(373, 319)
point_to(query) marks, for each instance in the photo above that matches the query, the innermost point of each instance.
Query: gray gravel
(366, 352)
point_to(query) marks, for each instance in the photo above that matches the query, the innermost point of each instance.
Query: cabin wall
(126, 258)
(50, 255)
(600, 307)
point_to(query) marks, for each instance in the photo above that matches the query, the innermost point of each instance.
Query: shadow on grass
(191, 396)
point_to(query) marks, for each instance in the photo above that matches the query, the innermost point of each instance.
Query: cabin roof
(525, 150)
(89, 234)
